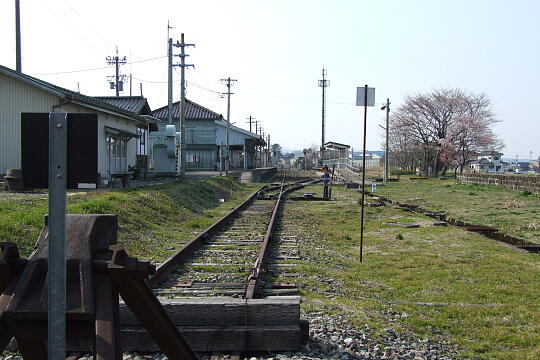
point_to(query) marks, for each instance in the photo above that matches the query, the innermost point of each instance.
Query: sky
(276, 51)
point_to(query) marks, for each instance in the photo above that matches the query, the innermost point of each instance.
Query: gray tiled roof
(194, 111)
(135, 104)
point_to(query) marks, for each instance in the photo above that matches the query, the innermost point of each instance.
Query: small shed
(334, 150)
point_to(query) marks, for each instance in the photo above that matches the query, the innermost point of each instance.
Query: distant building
(333, 150)
(205, 140)
(488, 161)
(534, 165)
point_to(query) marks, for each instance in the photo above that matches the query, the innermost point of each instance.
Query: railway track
(223, 263)
(232, 287)
(229, 258)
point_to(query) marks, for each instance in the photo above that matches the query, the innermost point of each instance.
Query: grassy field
(440, 283)
(431, 282)
(154, 221)
(513, 212)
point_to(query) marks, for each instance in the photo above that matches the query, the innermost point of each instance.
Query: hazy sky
(276, 50)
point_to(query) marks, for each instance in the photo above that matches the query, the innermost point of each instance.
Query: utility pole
(118, 83)
(263, 153)
(386, 163)
(18, 59)
(251, 121)
(324, 83)
(228, 82)
(169, 82)
(259, 147)
(182, 153)
(170, 74)
(269, 148)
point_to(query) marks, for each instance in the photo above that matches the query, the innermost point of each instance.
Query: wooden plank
(226, 338)
(270, 292)
(225, 311)
(403, 225)
(193, 292)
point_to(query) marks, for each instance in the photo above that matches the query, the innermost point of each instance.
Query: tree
(276, 150)
(431, 124)
(467, 136)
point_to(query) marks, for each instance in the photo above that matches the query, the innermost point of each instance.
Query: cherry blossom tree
(438, 122)
(466, 137)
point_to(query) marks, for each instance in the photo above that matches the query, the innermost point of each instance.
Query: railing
(353, 165)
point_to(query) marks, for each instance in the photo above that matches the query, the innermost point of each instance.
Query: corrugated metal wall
(17, 97)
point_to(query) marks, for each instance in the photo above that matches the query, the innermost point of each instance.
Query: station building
(206, 139)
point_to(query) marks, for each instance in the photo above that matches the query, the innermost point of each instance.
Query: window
(116, 153)
(141, 141)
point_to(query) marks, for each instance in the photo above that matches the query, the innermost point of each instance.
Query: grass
(513, 212)
(154, 221)
(431, 282)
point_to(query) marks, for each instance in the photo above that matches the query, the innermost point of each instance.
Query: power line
(204, 88)
(99, 68)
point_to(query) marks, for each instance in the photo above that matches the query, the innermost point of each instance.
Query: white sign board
(361, 94)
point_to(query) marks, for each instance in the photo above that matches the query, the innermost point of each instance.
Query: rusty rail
(260, 264)
(166, 268)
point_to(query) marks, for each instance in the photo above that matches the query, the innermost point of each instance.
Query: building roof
(71, 96)
(489, 153)
(194, 111)
(223, 123)
(335, 145)
(135, 104)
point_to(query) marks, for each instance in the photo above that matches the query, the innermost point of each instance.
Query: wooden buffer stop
(97, 271)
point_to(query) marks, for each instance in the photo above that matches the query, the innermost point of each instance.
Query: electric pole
(251, 121)
(269, 149)
(169, 82)
(170, 74)
(228, 82)
(263, 152)
(259, 147)
(18, 36)
(386, 163)
(118, 82)
(182, 150)
(324, 83)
